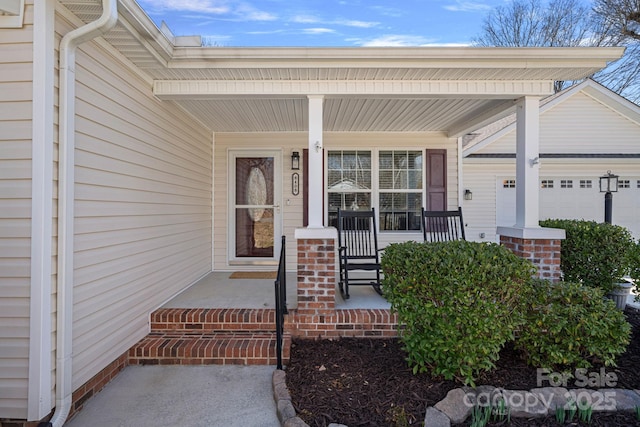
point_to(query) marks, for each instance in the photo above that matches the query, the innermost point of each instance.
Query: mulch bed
(367, 382)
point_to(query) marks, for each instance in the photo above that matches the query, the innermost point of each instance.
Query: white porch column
(527, 162)
(527, 239)
(316, 190)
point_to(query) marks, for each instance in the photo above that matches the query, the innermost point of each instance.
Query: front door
(255, 213)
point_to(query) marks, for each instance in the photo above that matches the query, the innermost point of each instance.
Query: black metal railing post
(281, 301)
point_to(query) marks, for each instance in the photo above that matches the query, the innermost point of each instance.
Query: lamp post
(608, 185)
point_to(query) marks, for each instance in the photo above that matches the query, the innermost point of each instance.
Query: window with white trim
(348, 181)
(389, 180)
(586, 183)
(509, 183)
(546, 183)
(624, 183)
(566, 183)
(400, 189)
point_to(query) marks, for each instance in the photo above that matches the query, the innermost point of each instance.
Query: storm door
(255, 213)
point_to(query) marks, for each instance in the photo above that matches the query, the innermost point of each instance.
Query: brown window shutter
(436, 180)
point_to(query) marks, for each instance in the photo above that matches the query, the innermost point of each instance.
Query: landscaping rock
(457, 405)
(523, 404)
(435, 418)
(625, 400)
(285, 409)
(551, 397)
(295, 422)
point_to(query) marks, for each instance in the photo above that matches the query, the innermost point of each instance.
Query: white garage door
(576, 198)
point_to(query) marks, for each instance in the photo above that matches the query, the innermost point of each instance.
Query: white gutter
(66, 199)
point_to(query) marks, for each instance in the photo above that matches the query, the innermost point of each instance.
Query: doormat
(253, 275)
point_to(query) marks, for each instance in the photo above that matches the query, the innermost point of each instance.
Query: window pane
(349, 160)
(386, 160)
(414, 201)
(386, 180)
(415, 160)
(335, 201)
(363, 179)
(349, 180)
(335, 178)
(334, 160)
(400, 180)
(400, 159)
(399, 201)
(364, 160)
(415, 179)
(386, 202)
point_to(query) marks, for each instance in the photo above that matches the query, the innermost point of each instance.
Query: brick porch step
(218, 348)
(213, 319)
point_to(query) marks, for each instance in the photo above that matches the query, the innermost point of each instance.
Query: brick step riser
(213, 320)
(207, 349)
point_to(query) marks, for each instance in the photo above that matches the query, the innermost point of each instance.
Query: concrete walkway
(186, 396)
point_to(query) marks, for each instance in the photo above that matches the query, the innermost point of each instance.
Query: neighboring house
(133, 163)
(585, 131)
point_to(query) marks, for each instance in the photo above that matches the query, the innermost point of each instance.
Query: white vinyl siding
(579, 124)
(293, 205)
(143, 208)
(15, 215)
(563, 130)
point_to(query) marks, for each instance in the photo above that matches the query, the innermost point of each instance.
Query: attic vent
(11, 13)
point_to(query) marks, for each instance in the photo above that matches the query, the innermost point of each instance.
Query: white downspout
(66, 199)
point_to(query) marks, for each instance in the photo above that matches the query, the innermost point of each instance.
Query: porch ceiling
(472, 85)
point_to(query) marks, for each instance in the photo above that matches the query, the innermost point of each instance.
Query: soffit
(153, 53)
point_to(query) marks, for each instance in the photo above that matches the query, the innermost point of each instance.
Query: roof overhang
(409, 89)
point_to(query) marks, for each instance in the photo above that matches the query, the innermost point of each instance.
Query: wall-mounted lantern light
(295, 161)
(468, 195)
(608, 185)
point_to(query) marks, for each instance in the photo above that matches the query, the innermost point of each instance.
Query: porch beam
(220, 89)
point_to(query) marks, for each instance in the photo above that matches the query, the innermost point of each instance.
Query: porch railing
(281, 301)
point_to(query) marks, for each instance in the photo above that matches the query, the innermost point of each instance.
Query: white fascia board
(431, 57)
(613, 100)
(480, 89)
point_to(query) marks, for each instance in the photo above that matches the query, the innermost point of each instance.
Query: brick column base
(543, 253)
(316, 276)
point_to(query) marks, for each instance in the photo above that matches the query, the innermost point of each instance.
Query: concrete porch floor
(218, 290)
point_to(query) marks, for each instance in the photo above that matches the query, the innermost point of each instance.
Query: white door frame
(233, 154)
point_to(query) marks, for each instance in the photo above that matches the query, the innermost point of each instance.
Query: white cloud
(305, 19)
(394, 40)
(250, 13)
(358, 24)
(311, 19)
(467, 6)
(220, 8)
(318, 31)
(202, 6)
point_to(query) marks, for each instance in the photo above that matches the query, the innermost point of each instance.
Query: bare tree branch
(525, 23)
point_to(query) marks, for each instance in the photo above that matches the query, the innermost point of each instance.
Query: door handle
(277, 207)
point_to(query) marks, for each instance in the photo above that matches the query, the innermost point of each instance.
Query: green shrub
(594, 254)
(460, 302)
(634, 263)
(571, 325)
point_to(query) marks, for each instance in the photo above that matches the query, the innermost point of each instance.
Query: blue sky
(324, 22)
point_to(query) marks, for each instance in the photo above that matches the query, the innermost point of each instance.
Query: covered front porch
(220, 289)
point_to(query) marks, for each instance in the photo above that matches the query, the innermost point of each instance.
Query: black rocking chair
(442, 226)
(358, 249)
